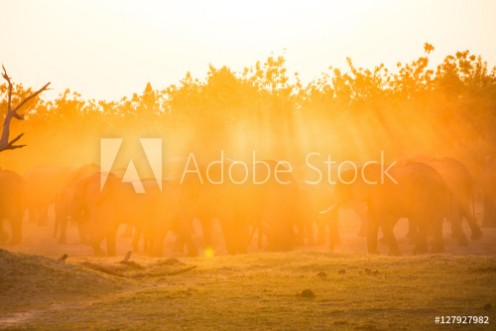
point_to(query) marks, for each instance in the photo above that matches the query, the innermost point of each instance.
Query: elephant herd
(265, 214)
(426, 193)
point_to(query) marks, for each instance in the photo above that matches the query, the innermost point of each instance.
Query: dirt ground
(38, 239)
(309, 288)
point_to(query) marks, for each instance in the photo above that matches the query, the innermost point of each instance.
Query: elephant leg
(190, 246)
(321, 231)
(154, 247)
(372, 232)
(438, 244)
(259, 228)
(244, 242)
(138, 232)
(475, 231)
(60, 225)
(83, 233)
(96, 237)
(260, 237)
(111, 243)
(3, 235)
(456, 225)
(236, 238)
(43, 215)
(334, 238)
(283, 239)
(179, 243)
(16, 226)
(149, 235)
(421, 243)
(157, 247)
(252, 231)
(230, 246)
(306, 234)
(149, 240)
(489, 214)
(363, 216)
(362, 232)
(298, 233)
(97, 249)
(412, 232)
(207, 225)
(184, 230)
(492, 213)
(56, 224)
(387, 230)
(238, 235)
(314, 233)
(333, 221)
(62, 229)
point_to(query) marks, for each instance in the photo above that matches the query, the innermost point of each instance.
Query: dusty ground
(348, 289)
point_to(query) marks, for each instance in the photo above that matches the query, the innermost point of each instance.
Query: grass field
(348, 289)
(260, 291)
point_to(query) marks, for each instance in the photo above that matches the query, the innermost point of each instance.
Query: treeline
(415, 108)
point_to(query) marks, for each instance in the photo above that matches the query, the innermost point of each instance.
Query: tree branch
(5, 144)
(29, 98)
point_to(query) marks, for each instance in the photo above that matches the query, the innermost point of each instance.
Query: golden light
(209, 252)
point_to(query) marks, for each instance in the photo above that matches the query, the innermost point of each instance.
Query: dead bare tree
(13, 112)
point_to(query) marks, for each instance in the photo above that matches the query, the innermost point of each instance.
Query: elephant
(67, 208)
(102, 211)
(461, 185)
(329, 217)
(314, 201)
(42, 185)
(87, 212)
(279, 209)
(171, 213)
(317, 195)
(247, 202)
(275, 208)
(11, 205)
(281, 212)
(64, 202)
(413, 190)
(488, 185)
(220, 202)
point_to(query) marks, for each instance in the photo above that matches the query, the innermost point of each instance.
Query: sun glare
(209, 252)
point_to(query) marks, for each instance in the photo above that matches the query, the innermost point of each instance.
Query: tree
(13, 112)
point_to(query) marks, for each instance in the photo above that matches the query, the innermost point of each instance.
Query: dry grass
(253, 292)
(37, 282)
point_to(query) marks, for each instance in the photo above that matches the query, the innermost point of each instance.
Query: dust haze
(200, 248)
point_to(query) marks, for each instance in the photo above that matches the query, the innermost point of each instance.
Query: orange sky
(108, 49)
